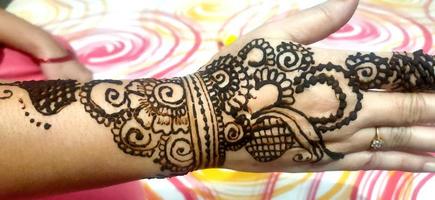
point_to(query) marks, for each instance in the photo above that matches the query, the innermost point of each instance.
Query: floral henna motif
(258, 46)
(268, 128)
(238, 102)
(146, 116)
(165, 104)
(279, 80)
(228, 82)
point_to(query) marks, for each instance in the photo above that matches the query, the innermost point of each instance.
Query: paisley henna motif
(241, 102)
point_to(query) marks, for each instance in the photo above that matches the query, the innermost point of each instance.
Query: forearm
(59, 148)
(62, 135)
(242, 111)
(21, 35)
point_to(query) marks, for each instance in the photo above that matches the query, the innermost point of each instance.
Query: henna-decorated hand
(265, 103)
(296, 108)
(269, 99)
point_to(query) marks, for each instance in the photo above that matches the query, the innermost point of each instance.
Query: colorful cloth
(163, 38)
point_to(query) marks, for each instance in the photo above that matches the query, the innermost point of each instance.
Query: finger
(380, 160)
(407, 139)
(397, 71)
(67, 70)
(310, 25)
(305, 27)
(397, 109)
(83, 74)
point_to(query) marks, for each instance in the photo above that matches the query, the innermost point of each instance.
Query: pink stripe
(420, 185)
(208, 193)
(426, 33)
(270, 185)
(391, 185)
(190, 52)
(139, 73)
(315, 186)
(185, 191)
(356, 186)
(373, 183)
(406, 38)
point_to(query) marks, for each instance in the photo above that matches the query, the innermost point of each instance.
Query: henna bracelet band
(69, 56)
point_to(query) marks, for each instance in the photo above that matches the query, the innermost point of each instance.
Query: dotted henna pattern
(32, 120)
(239, 102)
(49, 97)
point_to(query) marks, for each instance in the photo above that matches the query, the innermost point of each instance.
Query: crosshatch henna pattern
(238, 102)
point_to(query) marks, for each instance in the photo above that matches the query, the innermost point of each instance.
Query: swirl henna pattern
(244, 102)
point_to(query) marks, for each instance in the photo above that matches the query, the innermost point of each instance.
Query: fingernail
(429, 167)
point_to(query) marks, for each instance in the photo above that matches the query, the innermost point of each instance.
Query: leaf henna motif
(239, 102)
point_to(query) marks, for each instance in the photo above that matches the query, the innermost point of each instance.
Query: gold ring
(377, 142)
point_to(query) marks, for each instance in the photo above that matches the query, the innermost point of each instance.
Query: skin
(81, 149)
(40, 44)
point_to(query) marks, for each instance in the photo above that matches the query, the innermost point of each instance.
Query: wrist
(205, 123)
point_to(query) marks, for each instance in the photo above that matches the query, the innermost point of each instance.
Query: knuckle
(399, 136)
(292, 36)
(373, 161)
(327, 14)
(411, 108)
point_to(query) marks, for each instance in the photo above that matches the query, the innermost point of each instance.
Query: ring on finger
(377, 142)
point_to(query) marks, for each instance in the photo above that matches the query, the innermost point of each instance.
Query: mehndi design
(243, 102)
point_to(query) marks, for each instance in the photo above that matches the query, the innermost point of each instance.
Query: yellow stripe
(291, 186)
(338, 186)
(223, 175)
(406, 192)
(347, 192)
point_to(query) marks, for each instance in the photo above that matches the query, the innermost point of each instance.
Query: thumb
(310, 25)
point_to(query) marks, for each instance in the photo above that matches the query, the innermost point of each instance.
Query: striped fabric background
(163, 38)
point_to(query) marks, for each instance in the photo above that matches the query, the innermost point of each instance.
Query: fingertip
(311, 25)
(87, 76)
(83, 75)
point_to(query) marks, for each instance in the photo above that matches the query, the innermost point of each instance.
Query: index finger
(390, 71)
